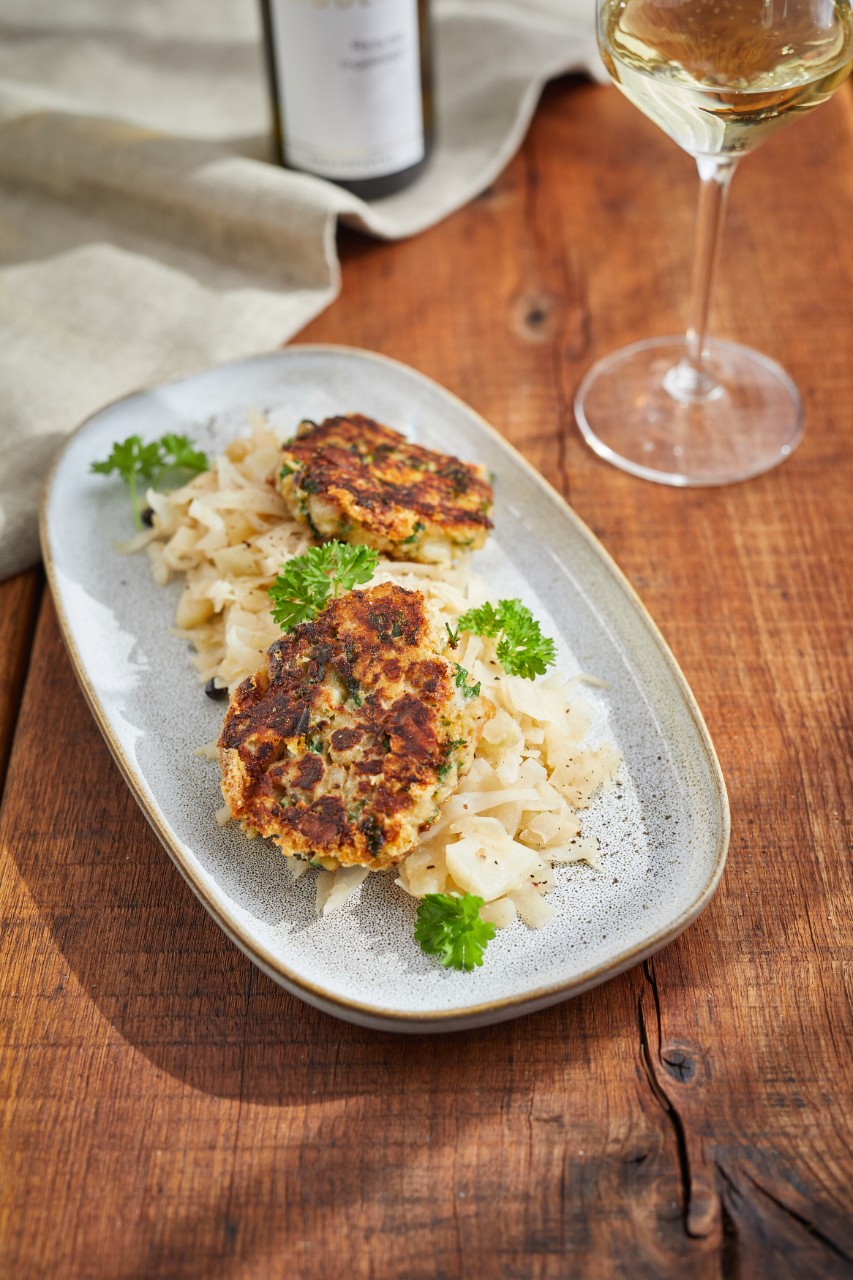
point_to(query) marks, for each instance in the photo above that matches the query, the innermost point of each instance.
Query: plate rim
(319, 996)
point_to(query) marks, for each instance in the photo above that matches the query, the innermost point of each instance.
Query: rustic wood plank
(19, 598)
(169, 1108)
(170, 1112)
(756, 610)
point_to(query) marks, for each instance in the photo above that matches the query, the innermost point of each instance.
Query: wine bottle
(351, 88)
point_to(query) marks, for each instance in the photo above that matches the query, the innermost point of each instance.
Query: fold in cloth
(144, 233)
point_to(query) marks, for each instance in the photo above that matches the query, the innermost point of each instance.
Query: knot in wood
(534, 315)
(679, 1064)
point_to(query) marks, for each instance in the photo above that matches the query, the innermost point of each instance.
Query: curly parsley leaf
(356, 565)
(306, 583)
(140, 465)
(179, 453)
(483, 621)
(449, 926)
(522, 649)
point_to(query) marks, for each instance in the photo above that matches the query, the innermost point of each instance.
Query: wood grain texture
(170, 1112)
(19, 600)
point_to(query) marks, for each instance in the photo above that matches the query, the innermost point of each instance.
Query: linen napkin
(145, 232)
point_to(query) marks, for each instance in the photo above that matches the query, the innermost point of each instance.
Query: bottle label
(349, 80)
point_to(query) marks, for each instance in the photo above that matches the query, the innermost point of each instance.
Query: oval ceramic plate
(663, 832)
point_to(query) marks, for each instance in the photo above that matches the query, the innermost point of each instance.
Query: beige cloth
(144, 234)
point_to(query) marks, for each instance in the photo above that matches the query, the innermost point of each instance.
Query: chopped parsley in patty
(353, 479)
(345, 744)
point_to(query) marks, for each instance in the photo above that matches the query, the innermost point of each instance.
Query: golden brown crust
(354, 479)
(349, 738)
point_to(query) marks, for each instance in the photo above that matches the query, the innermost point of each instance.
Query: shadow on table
(131, 935)
(166, 979)
(169, 983)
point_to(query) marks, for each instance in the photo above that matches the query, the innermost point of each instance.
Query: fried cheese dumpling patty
(347, 741)
(353, 479)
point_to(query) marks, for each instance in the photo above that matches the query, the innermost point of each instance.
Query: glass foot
(647, 410)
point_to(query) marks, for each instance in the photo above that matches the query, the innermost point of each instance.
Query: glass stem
(689, 380)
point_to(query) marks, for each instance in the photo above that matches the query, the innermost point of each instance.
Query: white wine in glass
(717, 76)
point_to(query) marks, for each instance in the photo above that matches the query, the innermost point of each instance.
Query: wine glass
(718, 76)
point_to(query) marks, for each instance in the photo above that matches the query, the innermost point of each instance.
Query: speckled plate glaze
(664, 831)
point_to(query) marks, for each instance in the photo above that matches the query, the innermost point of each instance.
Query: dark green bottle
(351, 88)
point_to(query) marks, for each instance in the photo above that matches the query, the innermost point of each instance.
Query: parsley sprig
(449, 926)
(522, 649)
(307, 582)
(141, 465)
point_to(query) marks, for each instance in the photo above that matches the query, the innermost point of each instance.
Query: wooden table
(170, 1112)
